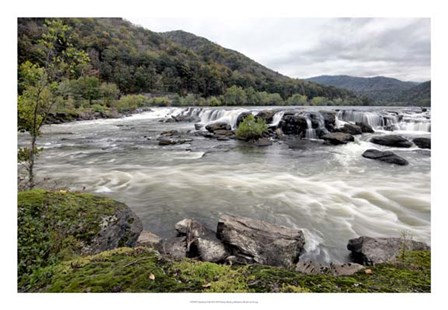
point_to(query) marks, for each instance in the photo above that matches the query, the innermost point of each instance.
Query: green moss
(144, 270)
(55, 226)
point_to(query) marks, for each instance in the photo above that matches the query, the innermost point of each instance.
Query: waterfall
(310, 132)
(277, 118)
(214, 115)
(386, 120)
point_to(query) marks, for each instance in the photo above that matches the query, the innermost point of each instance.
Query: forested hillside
(136, 60)
(382, 90)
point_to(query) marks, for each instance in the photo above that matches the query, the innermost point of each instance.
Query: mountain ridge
(381, 89)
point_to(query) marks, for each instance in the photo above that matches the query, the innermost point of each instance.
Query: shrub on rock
(251, 128)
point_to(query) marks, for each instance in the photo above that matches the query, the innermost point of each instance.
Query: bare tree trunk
(31, 162)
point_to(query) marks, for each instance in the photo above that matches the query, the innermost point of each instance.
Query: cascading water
(386, 120)
(213, 115)
(310, 132)
(277, 118)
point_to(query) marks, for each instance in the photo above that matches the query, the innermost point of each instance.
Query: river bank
(61, 251)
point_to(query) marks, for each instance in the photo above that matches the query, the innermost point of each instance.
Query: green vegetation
(38, 85)
(180, 68)
(55, 226)
(251, 128)
(144, 270)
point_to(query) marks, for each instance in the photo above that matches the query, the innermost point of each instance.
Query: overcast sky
(306, 47)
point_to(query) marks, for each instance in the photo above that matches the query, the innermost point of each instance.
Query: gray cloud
(305, 47)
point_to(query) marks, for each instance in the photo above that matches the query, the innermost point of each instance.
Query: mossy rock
(55, 226)
(145, 270)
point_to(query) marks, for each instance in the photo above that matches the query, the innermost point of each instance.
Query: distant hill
(419, 95)
(380, 89)
(141, 61)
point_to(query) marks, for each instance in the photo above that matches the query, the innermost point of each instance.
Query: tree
(38, 86)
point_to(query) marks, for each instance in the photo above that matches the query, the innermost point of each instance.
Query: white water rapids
(331, 192)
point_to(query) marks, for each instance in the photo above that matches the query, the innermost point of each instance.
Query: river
(331, 192)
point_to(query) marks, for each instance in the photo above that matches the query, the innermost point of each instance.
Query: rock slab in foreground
(391, 140)
(201, 242)
(372, 251)
(261, 242)
(338, 138)
(386, 156)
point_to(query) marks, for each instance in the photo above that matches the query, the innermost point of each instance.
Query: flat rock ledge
(371, 251)
(260, 242)
(312, 268)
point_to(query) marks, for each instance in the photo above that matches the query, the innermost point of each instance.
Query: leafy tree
(235, 95)
(251, 128)
(109, 92)
(297, 99)
(39, 84)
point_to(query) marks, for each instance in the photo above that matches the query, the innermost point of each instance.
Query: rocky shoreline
(74, 225)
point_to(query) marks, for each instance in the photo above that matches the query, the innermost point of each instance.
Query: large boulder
(201, 242)
(372, 251)
(267, 115)
(260, 242)
(365, 127)
(329, 119)
(391, 140)
(293, 124)
(241, 117)
(423, 143)
(218, 126)
(351, 129)
(338, 138)
(386, 156)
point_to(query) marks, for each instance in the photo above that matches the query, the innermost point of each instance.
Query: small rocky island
(78, 242)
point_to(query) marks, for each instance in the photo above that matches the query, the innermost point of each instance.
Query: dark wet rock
(351, 129)
(218, 126)
(267, 115)
(391, 140)
(241, 117)
(186, 118)
(293, 124)
(423, 143)
(169, 133)
(175, 247)
(148, 239)
(223, 132)
(386, 156)
(263, 142)
(260, 242)
(372, 251)
(338, 138)
(329, 119)
(365, 127)
(117, 230)
(198, 126)
(201, 242)
(168, 141)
